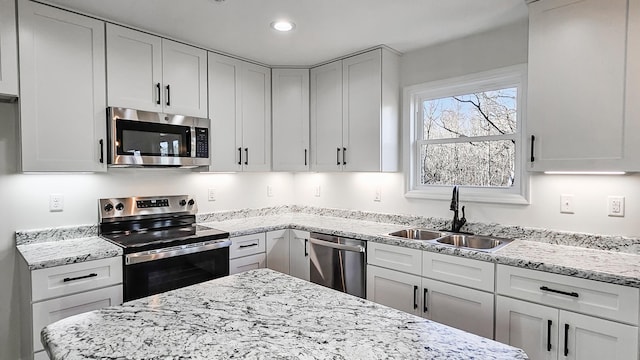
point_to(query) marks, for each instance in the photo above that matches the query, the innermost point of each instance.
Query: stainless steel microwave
(141, 138)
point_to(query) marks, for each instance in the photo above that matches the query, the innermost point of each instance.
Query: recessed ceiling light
(283, 25)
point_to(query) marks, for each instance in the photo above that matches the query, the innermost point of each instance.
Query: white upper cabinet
(576, 95)
(290, 102)
(62, 97)
(240, 113)
(8, 49)
(326, 117)
(149, 73)
(354, 113)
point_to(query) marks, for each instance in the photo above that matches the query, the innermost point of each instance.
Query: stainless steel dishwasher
(339, 263)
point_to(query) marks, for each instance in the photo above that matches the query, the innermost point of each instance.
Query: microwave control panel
(202, 142)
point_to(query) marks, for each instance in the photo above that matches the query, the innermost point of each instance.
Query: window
(467, 131)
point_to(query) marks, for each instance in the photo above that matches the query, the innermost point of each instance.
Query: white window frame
(413, 96)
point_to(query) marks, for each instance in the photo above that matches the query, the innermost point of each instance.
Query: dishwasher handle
(330, 244)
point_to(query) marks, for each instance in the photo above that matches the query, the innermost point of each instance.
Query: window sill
(469, 195)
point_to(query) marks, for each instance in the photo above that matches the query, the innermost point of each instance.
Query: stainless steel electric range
(164, 248)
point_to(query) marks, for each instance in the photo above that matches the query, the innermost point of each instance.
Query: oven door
(172, 272)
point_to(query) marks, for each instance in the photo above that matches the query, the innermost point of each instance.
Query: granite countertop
(600, 265)
(261, 314)
(40, 255)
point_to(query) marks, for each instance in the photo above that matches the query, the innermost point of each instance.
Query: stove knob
(183, 202)
(191, 202)
(119, 207)
(108, 207)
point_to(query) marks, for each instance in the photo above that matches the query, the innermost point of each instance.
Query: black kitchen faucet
(456, 223)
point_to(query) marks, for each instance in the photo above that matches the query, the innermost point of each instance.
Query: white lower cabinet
(288, 252)
(544, 332)
(54, 293)
(247, 252)
(462, 307)
(554, 316)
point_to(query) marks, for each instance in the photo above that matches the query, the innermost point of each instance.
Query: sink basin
(418, 234)
(475, 242)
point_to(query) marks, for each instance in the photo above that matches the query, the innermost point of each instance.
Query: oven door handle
(145, 256)
(337, 246)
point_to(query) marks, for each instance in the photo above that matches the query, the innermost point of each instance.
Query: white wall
(24, 200)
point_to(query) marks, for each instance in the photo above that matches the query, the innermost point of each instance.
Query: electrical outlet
(269, 191)
(566, 204)
(378, 194)
(56, 202)
(615, 206)
(212, 194)
(317, 191)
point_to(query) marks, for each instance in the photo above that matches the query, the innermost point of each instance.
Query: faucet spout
(456, 223)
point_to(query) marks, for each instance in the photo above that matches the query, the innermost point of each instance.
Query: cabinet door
(299, 254)
(224, 112)
(63, 100)
(247, 263)
(184, 74)
(457, 306)
(290, 119)
(50, 311)
(576, 84)
(587, 338)
(632, 114)
(362, 102)
(278, 250)
(256, 117)
(394, 289)
(8, 49)
(326, 117)
(529, 326)
(134, 69)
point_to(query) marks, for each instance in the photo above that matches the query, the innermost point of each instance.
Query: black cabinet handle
(566, 339)
(168, 95)
(305, 157)
(344, 156)
(572, 294)
(415, 296)
(158, 93)
(239, 156)
(306, 253)
(101, 142)
(80, 277)
(246, 156)
(533, 140)
(549, 322)
(424, 298)
(246, 246)
(338, 157)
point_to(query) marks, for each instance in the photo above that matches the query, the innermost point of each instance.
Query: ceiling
(325, 29)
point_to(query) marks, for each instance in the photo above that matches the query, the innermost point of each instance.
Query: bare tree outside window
(469, 139)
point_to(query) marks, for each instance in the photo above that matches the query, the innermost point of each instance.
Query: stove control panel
(117, 208)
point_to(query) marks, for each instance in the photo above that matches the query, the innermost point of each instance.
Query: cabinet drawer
(460, 271)
(247, 245)
(247, 263)
(590, 297)
(50, 311)
(395, 257)
(68, 279)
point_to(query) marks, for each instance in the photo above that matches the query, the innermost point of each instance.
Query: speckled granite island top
(261, 314)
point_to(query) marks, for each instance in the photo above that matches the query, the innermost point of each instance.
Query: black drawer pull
(239, 156)
(306, 253)
(415, 296)
(549, 322)
(101, 142)
(80, 277)
(573, 293)
(246, 246)
(338, 156)
(246, 156)
(305, 157)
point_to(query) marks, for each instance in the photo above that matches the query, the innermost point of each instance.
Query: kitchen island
(261, 314)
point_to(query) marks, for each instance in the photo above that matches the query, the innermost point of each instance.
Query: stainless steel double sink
(466, 241)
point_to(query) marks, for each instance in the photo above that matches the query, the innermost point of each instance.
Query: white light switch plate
(56, 202)
(212, 195)
(566, 204)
